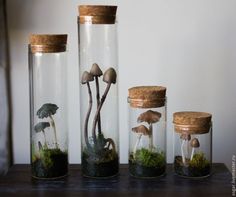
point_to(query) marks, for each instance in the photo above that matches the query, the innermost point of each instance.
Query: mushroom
(109, 77)
(86, 78)
(150, 117)
(40, 127)
(40, 146)
(194, 144)
(47, 110)
(97, 72)
(140, 130)
(184, 137)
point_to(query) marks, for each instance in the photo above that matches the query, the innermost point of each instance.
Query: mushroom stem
(54, 128)
(95, 120)
(87, 116)
(192, 154)
(150, 137)
(136, 144)
(45, 141)
(98, 101)
(182, 152)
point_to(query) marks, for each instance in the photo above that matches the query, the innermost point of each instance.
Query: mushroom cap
(46, 110)
(95, 70)
(195, 143)
(149, 117)
(185, 136)
(141, 129)
(110, 76)
(86, 77)
(41, 126)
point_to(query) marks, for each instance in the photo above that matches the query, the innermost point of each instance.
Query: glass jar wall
(147, 131)
(48, 106)
(98, 66)
(192, 145)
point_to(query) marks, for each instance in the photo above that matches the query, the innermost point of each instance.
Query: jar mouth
(146, 103)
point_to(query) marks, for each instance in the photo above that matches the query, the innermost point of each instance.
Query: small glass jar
(192, 145)
(147, 131)
(98, 66)
(48, 106)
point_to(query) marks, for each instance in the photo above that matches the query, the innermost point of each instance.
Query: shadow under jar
(98, 66)
(147, 131)
(48, 106)
(193, 144)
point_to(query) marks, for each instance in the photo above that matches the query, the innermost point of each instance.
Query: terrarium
(147, 131)
(193, 148)
(48, 109)
(98, 66)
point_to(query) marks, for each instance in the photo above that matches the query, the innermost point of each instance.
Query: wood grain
(18, 182)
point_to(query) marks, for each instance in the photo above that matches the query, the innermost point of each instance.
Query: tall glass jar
(193, 144)
(147, 131)
(48, 106)
(98, 65)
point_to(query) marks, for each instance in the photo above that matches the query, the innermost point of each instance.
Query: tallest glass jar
(48, 105)
(98, 66)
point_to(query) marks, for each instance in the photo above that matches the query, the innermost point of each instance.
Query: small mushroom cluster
(150, 117)
(109, 77)
(46, 111)
(194, 143)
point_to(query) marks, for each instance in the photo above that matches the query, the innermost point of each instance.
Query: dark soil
(99, 168)
(57, 168)
(141, 171)
(188, 170)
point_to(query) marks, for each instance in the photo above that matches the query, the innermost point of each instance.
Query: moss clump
(50, 163)
(199, 161)
(199, 166)
(146, 163)
(105, 164)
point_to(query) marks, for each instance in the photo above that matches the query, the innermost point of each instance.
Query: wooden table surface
(18, 182)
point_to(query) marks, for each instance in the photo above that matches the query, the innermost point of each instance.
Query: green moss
(199, 161)
(47, 156)
(149, 158)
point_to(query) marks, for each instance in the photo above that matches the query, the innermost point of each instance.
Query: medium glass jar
(192, 145)
(48, 106)
(98, 66)
(147, 131)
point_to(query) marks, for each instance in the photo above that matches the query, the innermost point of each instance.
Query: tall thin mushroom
(140, 130)
(150, 117)
(86, 78)
(109, 77)
(40, 127)
(184, 137)
(194, 144)
(97, 72)
(48, 110)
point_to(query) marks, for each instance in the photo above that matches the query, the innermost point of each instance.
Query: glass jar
(48, 106)
(147, 131)
(98, 66)
(192, 145)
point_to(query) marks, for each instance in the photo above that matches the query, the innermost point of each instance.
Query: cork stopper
(192, 122)
(147, 96)
(97, 14)
(48, 43)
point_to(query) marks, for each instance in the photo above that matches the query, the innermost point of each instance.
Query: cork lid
(97, 14)
(192, 122)
(147, 96)
(48, 43)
